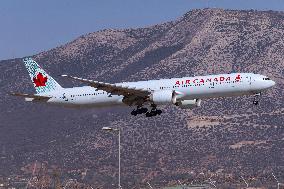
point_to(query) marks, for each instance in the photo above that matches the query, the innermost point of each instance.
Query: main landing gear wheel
(140, 110)
(154, 111)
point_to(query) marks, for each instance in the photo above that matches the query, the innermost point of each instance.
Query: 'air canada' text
(206, 80)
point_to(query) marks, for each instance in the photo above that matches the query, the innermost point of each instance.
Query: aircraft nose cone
(272, 83)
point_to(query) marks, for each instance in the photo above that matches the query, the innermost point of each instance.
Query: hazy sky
(31, 26)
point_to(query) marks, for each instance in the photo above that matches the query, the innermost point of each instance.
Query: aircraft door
(212, 85)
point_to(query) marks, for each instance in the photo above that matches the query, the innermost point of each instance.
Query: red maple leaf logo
(40, 80)
(238, 78)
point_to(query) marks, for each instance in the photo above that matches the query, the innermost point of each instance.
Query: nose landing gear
(256, 99)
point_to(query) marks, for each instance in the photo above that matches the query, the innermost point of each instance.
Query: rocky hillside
(225, 138)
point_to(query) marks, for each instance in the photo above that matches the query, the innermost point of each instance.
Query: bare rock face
(225, 138)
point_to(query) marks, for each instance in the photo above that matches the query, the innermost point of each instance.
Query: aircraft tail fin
(42, 81)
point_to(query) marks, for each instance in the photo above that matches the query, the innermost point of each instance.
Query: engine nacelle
(189, 104)
(163, 97)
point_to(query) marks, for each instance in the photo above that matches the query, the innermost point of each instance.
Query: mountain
(225, 138)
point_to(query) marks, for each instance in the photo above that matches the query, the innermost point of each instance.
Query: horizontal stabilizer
(31, 96)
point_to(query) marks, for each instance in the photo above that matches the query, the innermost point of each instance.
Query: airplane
(185, 92)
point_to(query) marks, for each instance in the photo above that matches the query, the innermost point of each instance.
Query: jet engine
(163, 97)
(189, 104)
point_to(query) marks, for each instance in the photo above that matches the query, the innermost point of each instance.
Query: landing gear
(139, 110)
(154, 111)
(256, 99)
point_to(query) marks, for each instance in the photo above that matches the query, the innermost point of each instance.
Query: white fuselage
(187, 88)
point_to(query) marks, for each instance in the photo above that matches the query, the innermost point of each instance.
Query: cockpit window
(266, 78)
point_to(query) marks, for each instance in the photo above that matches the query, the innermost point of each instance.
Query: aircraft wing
(114, 89)
(31, 96)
